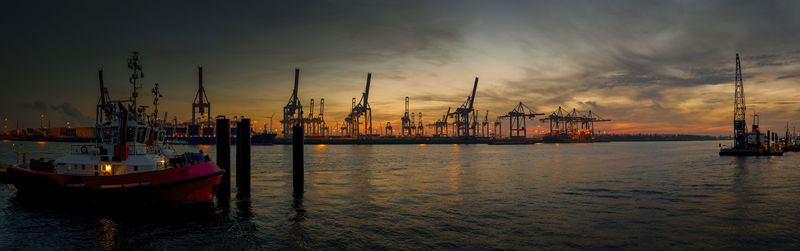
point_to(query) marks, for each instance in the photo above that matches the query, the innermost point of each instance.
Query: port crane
(201, 102)
(517, 120)
(105, 109)
(293, 111)
(406, 122)
(440, 126)
(462, 115)
(572, 124)
(361, 111)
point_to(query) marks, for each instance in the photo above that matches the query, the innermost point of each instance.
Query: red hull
(182, 185)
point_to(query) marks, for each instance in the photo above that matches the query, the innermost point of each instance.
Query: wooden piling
(297, 159)
(224, 157)
(243, 157)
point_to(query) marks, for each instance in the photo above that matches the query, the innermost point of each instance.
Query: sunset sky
(649, 66)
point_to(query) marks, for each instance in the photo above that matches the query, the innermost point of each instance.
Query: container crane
(462, 115)
(293, 111)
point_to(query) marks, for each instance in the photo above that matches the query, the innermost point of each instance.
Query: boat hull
(183, 185)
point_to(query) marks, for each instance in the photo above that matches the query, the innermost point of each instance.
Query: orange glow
(634, 128)
(41, 142)
(5, 140)
(422, 145)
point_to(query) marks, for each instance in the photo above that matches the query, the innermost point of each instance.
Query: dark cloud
(787, 76)
(70, 112)
(38, 106)
(629, 60)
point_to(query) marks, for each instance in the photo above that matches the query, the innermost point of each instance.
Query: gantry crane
(462, 115)
(201, 101)
(361, 111)
(572, 125)
(406, 122)
(440, 126)
(517, 120)
(293, 111)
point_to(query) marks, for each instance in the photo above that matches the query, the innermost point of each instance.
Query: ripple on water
(621, 195)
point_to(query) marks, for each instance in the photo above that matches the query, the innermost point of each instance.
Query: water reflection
(742, 190)
(106, 233)
(244, 208)
(297, 236)
(678, 195)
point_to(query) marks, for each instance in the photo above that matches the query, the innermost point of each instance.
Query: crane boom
(200, 90)
(366, 91)
(472, 98)
(296, 81)
(103, 97)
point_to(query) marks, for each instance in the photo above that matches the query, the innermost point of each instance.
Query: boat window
(135, 168)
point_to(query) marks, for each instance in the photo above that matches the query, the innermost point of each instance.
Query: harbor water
(630, 195)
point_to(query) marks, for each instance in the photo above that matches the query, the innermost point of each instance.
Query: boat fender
(84, 149)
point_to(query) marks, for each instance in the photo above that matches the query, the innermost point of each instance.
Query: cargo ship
(129, 163)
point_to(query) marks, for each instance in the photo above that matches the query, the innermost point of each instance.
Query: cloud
(71, 113)
(38, 106)
(643, 63)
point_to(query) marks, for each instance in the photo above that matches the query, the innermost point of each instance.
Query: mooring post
(224, 157)
(297, 159)
(243, 157)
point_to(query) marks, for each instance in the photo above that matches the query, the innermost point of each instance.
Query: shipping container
(194, 130)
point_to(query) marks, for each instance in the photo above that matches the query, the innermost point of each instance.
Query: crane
(293, 111)
(462, 115)
(517, 118)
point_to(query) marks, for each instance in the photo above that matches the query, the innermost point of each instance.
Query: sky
(649, 66)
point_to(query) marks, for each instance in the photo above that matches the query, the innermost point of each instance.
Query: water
(631, 195)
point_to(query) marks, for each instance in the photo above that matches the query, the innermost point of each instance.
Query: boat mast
(136, 73)
(156, 95)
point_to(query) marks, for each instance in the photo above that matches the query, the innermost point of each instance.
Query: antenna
(136, 73)
(156, 95)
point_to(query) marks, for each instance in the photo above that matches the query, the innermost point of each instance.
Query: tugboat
(129, 161)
